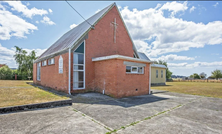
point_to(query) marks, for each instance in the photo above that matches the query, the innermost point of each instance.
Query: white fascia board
(158, 66)
(120, 57)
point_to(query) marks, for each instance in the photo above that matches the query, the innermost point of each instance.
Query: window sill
(78, 88)
(134, 73)
(51, 64)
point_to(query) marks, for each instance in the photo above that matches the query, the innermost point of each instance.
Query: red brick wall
(118, 82)
(50, 76)
(100, 42)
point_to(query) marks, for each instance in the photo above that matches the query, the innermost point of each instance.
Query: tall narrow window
(156, 73)
(60, 64)
(79, 67)
(39, 71)
(161, 73)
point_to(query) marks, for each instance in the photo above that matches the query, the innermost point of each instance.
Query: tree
(168, 72)
(191, 76)
(195, 76)
(217, 74)
(5, 73)
(203, 75)
(24, 61)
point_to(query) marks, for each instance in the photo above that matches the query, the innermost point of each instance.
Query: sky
(187, 34)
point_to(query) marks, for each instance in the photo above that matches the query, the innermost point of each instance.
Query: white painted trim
(120, 57)
(69, 70)
(150, 80)
(83, 67)
(134, 71)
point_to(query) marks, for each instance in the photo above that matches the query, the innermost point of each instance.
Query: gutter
(69, 70)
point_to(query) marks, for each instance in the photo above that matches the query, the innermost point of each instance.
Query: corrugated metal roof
(69, 38)
(158, 65)
(143, 56)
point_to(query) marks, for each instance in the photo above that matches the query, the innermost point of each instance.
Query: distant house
(1, 65)
(158, 74)
(101, 58)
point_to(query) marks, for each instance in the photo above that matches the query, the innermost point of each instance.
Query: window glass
(156, 73)
(161, 73)
(140, 70)
(78, 67)
(128, 68)
(134, 69)
(80, 59)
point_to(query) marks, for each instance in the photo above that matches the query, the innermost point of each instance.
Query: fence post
(15, 76)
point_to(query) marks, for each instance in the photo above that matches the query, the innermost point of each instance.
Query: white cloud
(47, 20)
(168, 34)
(6, 55)
(216, 4)
(196, 64)
(215, 54)
(192, 9)
(12, 25)
(174, 7)
(173, 57)
(72, 26)
(97, 11)
(37, 22)
(19, 7)
(50, 10)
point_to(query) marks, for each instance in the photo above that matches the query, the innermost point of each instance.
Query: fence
(199, 80)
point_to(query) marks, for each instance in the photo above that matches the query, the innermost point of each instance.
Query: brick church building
(100, 57)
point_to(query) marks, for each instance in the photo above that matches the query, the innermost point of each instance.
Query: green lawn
(14, 93)
(195, 88)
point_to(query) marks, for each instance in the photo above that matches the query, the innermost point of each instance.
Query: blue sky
(188, 35)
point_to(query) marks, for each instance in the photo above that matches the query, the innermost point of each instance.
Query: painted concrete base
(158, 84)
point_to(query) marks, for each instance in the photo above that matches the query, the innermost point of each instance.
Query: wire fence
(198, 80)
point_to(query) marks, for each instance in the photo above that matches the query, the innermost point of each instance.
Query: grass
(13, 93)
(194, 88)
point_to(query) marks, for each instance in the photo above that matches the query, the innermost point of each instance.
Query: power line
(79, 14)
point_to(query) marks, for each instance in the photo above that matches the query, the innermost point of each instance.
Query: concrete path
(62, 120)
(161, 112)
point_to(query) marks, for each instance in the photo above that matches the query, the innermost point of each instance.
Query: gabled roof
(143, 56)
(158, 65)
(70, 39)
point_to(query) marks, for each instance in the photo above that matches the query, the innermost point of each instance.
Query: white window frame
(50, 61)
(39, 71)
(142, 70)
(135, 72)
(84, 72)
(44, 63)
